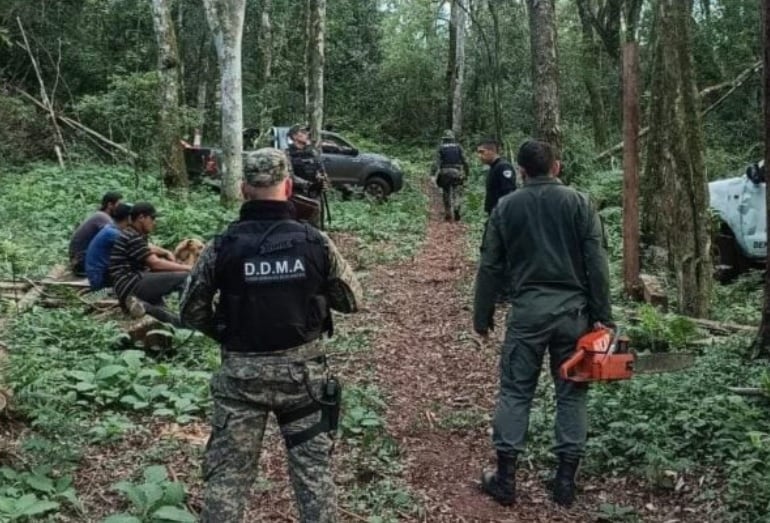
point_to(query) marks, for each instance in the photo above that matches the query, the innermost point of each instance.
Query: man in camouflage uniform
(276, 280)
(450, 169)
(547, 239)
(308, 175)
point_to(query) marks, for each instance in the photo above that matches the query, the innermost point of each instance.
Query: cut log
(749, 391)
(717, 328)
(14, 285)
(653, 291)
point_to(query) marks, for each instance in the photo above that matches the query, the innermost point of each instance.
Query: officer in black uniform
(450, 169)
(501, 178)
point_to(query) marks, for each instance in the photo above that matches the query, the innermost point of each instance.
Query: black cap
(294, 129)
(143, 209)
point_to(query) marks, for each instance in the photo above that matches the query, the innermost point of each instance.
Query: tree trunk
(545, 70)
(451, 65)
(456, 66)
(675, 190)
(590, 70)
(266, 41)
(762, 342)
(306, 55)
(315, 38)
(631, 169)
(200, 97)
(225, 19)
(171, 157)
(496, 73)
(459, 73)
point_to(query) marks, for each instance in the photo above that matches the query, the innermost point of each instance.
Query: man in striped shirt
(143, 274)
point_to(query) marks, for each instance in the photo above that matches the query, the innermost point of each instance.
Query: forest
(654, 106)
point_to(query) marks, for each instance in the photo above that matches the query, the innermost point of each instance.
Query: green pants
(245, 390)
(520, 363)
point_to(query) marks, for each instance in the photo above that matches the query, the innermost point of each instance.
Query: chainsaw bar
(662, 362)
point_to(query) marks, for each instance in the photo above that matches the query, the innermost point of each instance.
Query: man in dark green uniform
(550, 237)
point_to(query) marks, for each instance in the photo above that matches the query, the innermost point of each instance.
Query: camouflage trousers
(452, 197)
(245, 390)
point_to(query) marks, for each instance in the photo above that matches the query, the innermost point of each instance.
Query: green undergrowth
(80, 385)
(40, 208)
(674, 429)
(387, 231)
(681, 430)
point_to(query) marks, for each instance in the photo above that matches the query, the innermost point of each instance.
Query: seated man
(86, 231)
(141, 276)
(98, 253)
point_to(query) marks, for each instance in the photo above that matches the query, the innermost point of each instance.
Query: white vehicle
(742, 237)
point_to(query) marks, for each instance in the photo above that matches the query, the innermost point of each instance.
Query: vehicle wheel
(377, 187)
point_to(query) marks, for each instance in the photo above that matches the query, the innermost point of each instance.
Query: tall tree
(762, 342)
(171, 157)
(316, 35)
(545, 70)
(225, 19)
(456, 66)
(675, 191)
(631, 163)
(266, 40)
(590, 68)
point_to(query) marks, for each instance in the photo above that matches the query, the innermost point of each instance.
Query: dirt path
(441, 384)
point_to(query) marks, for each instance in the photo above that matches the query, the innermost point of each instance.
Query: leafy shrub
(657, 331)
(155, 500)
(24, 135)
(33, 493)
(127, 112)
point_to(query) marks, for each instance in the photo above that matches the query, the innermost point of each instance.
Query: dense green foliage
(385, 72)
(386, 89)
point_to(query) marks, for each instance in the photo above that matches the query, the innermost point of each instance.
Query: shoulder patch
(508, 173)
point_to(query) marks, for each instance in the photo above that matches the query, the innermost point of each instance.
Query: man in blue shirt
(98, 252)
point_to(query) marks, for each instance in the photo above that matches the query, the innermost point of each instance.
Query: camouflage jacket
(197, 307)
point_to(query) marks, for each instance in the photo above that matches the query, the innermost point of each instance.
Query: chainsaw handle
(567, 369)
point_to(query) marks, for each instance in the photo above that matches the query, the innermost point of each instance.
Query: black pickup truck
(346, 167)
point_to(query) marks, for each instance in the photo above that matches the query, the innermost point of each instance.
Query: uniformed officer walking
(308, 176)
(501, 178)
(450, 169)
(276, 280)
(550, 238)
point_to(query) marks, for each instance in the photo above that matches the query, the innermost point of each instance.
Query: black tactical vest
(271, 277)
(304, 162)
(450, 154)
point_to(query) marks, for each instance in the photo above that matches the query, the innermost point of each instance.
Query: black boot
(501, 485)
(564, 482)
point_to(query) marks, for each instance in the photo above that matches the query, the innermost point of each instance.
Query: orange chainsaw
(604, 355)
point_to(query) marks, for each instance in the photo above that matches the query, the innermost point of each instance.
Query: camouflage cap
(294, 129)
(265, 167)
